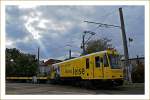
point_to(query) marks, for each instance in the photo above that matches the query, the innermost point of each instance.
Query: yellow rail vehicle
(96, 68)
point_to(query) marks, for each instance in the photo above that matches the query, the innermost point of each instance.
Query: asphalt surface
(50, 89)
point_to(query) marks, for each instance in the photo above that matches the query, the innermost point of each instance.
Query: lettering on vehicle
(78, 71)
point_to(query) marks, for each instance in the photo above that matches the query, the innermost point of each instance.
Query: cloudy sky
(52, 28)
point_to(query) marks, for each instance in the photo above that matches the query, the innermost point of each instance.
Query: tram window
(101, 61)
(87, 63)
(97, 61)
(105, 61)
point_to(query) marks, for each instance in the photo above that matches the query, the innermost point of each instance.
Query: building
(51, 61)
(44, 67)
(134, 64)
(134, 61)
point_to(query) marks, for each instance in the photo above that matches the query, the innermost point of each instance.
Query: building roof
(138, 58)
(51, 61)
(84, 56)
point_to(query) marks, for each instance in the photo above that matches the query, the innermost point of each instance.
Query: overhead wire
(106, 17)
(95, 29)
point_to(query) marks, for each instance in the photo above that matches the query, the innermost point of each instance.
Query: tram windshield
(114, 61)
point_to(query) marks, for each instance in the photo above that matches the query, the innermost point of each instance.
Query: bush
(20, 64)
(138, 73)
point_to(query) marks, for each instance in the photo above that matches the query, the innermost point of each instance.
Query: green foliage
(98, 45)
(20, 64)
(138, 73)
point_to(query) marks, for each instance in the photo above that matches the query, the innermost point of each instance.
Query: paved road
(29, 88)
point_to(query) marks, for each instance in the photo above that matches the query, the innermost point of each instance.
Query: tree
(138, 73)
(11, 55)
(20, 64)
(98, 45)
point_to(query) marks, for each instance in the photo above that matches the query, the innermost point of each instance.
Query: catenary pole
(125, 46)
(38, 59)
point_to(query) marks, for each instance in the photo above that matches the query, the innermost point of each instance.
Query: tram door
(98, 67)
(89, 68)
(106, 67)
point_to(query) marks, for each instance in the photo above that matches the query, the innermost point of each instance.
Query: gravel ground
(49, 89)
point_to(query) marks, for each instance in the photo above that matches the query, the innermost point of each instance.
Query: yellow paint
(24, 78)
(77, 68)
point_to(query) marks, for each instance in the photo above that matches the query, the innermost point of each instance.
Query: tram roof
(82, 57)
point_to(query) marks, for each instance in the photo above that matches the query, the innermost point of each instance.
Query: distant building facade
(51, 61)
(134, 61)
(44, 67)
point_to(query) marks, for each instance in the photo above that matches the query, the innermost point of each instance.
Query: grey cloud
(14, 25)
(54, 40)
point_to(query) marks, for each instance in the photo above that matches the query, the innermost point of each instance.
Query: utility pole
(125, 46)
(83, 40)
(69, 47)
(70, 54)
(83, 43)
(38, 60)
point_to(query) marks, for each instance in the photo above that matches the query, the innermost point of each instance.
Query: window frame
(87, 62)
(105, 60)
(97, 62)
(101, 61)
(111, 60)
